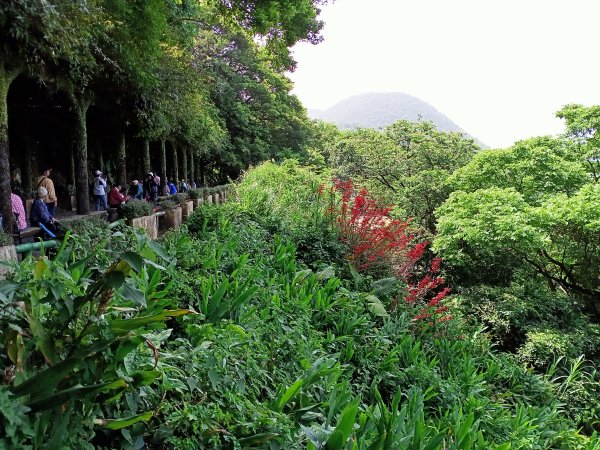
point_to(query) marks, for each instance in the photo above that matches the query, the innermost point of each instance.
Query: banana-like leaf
(121, 326)
(46, 379)
(288, 394)
(259, 438)
(73, 393)
(117, 424)
(343, 430)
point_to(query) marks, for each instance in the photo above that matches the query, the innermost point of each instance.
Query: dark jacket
(39, 213)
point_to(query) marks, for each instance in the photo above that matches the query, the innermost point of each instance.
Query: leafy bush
(195, 193)
(179, 198)
(281, 355)
(515, 316)
(136, 208)
(167, 205)
(5, 239)
(70, 335)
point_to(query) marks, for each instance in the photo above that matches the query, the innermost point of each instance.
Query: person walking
(100, 190)
(172, 188)
(44, 181)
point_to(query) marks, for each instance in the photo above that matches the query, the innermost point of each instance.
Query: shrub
(86, 226)
(195, 193)
(136, 208)
(383, 246)
(5, 239)
(179, 198)
(167, 205)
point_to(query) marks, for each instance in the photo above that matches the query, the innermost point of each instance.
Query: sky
(499, 69)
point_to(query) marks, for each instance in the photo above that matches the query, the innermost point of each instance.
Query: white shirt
(99, 186)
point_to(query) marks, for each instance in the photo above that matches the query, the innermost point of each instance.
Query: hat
(41, 192)
(134, 182)
(97, 173)
(150, 173)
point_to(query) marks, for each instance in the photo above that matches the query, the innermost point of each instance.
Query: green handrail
(31, 246)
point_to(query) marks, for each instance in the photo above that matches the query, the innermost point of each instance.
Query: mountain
(378, 110)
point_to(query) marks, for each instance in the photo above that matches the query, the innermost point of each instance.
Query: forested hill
(377, 110)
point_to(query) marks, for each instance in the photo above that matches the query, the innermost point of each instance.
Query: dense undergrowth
(250, 328)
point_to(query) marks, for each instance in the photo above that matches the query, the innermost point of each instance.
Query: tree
(408, 164)
(582, 125)
(495, 231)
(45, 39)
(535, 168)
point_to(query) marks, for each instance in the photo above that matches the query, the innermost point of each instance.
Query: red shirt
(115, 198)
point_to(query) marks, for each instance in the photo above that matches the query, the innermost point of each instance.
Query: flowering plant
(382, 245)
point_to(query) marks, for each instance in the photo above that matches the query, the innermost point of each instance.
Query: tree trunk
(27, 175)
(146, 157)
(6, 78)
(72, 177)
(121, 160)
(175, 172)
(201, 168)
(80, 154)
(192, 166)
(163, 165)
(184, 163)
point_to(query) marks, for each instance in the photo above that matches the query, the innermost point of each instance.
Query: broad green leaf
(126, 325)
(259, 438)
(159, 250)
(73, 393)
(46, 379)
(117, 424)
(343, 430)
(59, 430)
(114, 279)
(375, 306)
(288, 395)
(135, 260)
(129, 292)
(336, 441)
(40, 268)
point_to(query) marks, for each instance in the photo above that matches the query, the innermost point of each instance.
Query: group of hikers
(118, 195)
(43, 207)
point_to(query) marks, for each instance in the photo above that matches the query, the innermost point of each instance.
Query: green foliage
(179, 198)
(167, 205)
(71, 332)
(582, 125)
(498, 229)
(136, 208)
(486, 231)
(407, 164)
(536, 168)
(298, 214)
(5, 239)
(279, 356)
(195, 193)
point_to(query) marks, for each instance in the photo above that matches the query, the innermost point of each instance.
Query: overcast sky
(499, 69)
